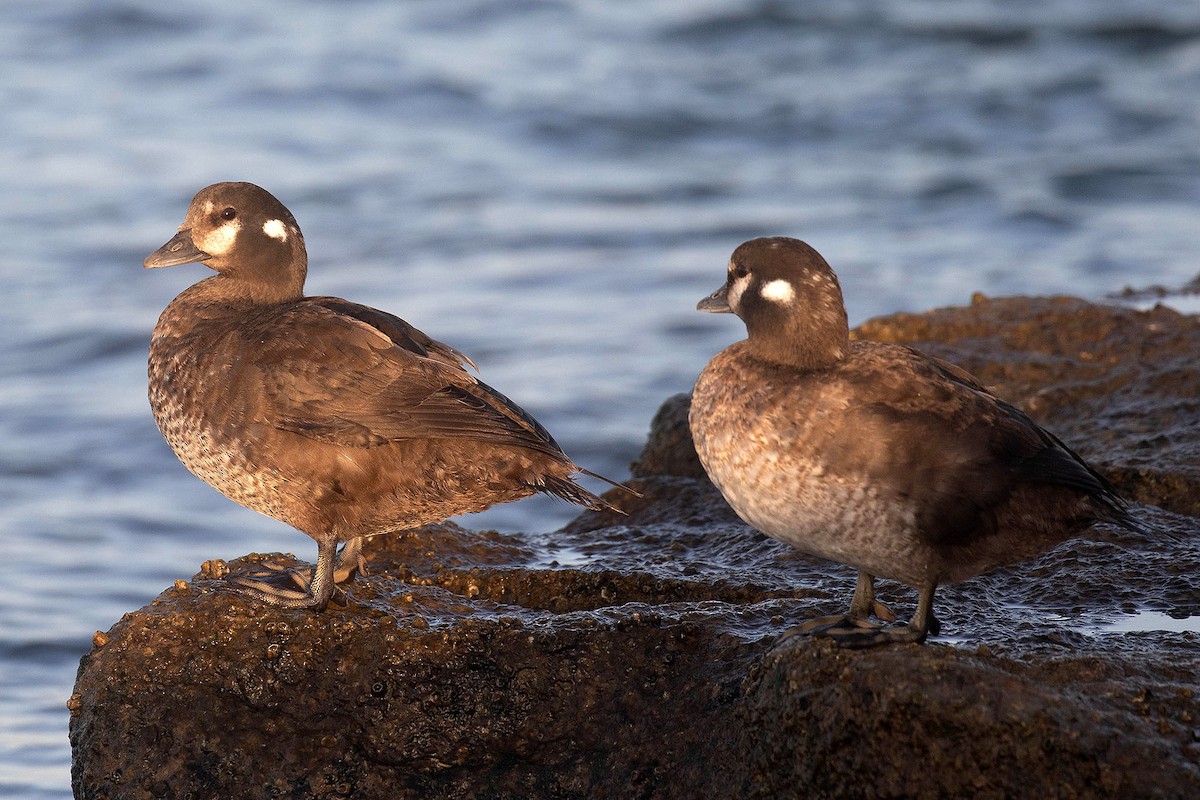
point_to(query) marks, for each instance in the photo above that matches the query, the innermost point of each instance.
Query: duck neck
(237, 294)
(260, 282)
(804, 356)
(254, 289)
(809, 344)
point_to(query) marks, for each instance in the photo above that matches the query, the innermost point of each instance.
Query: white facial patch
(734, 294)
(220, 240)
(275, 229)
(778, 291)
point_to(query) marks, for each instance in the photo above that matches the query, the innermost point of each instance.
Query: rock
(941, 722)
(669, 450)
(635, 656)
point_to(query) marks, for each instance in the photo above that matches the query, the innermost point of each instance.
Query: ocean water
(548, 185)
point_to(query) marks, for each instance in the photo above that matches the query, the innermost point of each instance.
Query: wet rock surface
(636, 656)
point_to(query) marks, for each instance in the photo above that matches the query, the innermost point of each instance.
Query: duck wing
(350, 375)
(1052, 461)
(927, 431)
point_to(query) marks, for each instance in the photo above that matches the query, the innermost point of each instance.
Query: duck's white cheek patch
(778, 291)
(734, 295)
(221, 240)
(275, 229)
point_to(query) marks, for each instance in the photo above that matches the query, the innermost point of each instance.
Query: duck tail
(609, 481)
(572, 492)
(1116, 510)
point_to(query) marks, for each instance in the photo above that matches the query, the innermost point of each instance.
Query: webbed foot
(862, 608)
(315, 593)
(272, 579)
(854, 637)
(856, 630)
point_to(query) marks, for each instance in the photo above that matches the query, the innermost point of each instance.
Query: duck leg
(923, 622)
(349, 561)
(862, 608)
(316, 594)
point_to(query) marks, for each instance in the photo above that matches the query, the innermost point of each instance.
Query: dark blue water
(550, 186)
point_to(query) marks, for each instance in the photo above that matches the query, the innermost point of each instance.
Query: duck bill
(716, 303)
(180, 250)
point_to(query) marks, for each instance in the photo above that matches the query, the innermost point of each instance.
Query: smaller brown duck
(341, 420)
(872, 454)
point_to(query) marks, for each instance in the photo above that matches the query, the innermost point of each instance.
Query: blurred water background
(550, 185)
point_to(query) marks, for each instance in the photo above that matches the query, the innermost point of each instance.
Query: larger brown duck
(873, 454)
(341, 420)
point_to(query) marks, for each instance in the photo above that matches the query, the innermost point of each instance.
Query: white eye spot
(220, 240)
(275, 229)
(778, 291)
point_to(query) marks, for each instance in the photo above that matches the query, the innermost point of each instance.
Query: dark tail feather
(1062, 466)
(1117, 510)
(572, 492)
(609, 481)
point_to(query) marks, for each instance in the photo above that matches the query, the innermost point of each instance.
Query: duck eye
(739, 271)
(229, 213)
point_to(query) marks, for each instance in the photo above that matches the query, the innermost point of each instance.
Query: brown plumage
(338, 419)
(873, 454)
